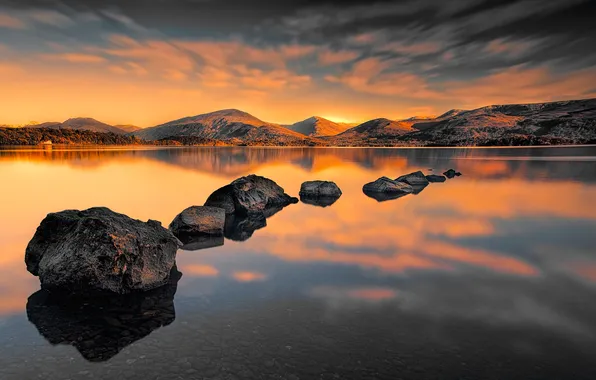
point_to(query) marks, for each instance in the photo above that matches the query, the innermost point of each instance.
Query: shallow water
(491, 275)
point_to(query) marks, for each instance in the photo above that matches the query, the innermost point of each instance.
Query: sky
(148, 62)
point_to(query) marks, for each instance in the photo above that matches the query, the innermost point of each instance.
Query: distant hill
(128, 128)
(566, 122)
(377, 128)
(81, 124)
(226, 125)
(317, 126)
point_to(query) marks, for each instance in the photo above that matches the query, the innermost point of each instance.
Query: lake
(491, 275)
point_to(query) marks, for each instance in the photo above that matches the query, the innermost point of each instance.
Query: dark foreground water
(491, 275)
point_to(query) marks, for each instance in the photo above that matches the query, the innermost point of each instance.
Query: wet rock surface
(315, 189)
(387, 185)
(434, 178)
(98, 250)
(414, 179)
(100, 327)
(249, 195)
(198, 221)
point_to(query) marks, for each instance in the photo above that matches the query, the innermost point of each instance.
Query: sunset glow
(129, 68)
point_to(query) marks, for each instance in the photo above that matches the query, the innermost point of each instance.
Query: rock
(315, 189)
(250, 194)
(102, 326)
(387, 185)
(100, 250)
(319, 193)
(318, 201)
(433, 178)
(451, 173)
(198, 221)
(414, 179)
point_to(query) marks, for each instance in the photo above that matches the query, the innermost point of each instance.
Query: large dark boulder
(100, 250)
(101, 326)
(197, 222)
(414, 179)
(249, 195)
(433, 178)
(388, 186)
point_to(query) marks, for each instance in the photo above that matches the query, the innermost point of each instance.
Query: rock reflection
(318, 201)
(242, 227)
(203, 242)
(383, 197)
(100, 327)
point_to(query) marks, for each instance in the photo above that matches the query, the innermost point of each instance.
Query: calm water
(491, 275)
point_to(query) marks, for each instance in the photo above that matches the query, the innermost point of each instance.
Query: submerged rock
(100, 250)
(101, 327)
(433, 178)
(198, 221)
(414, 179)
(451, 173)
(315, 189)
(250, 194)
(387, 185)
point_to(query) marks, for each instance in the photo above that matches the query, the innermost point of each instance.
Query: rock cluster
(384, 188)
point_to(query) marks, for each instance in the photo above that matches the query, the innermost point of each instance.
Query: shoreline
(73, 147)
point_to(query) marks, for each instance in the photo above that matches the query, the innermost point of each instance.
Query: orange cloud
(77, 58)
(371, 76)
(10, 22)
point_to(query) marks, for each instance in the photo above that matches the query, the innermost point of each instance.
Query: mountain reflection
(559, 163)
(99, 328)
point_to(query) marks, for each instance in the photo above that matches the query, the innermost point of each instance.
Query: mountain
(565, 122)
(81, 124)
(128, 128)
(376, 129)
(226, 125)
(317, 126)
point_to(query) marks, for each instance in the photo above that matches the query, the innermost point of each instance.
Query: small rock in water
(387, 185)
(100, 250)
(433, 178)
(319, 193)
(451, 173)
(414, 179)
(320, 189)
(198, 221)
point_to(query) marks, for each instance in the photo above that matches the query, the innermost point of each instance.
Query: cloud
(10, 22)
(77, 58)
(330, 57)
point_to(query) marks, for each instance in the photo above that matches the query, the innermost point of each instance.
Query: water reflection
(99, 328)
(503, 254)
